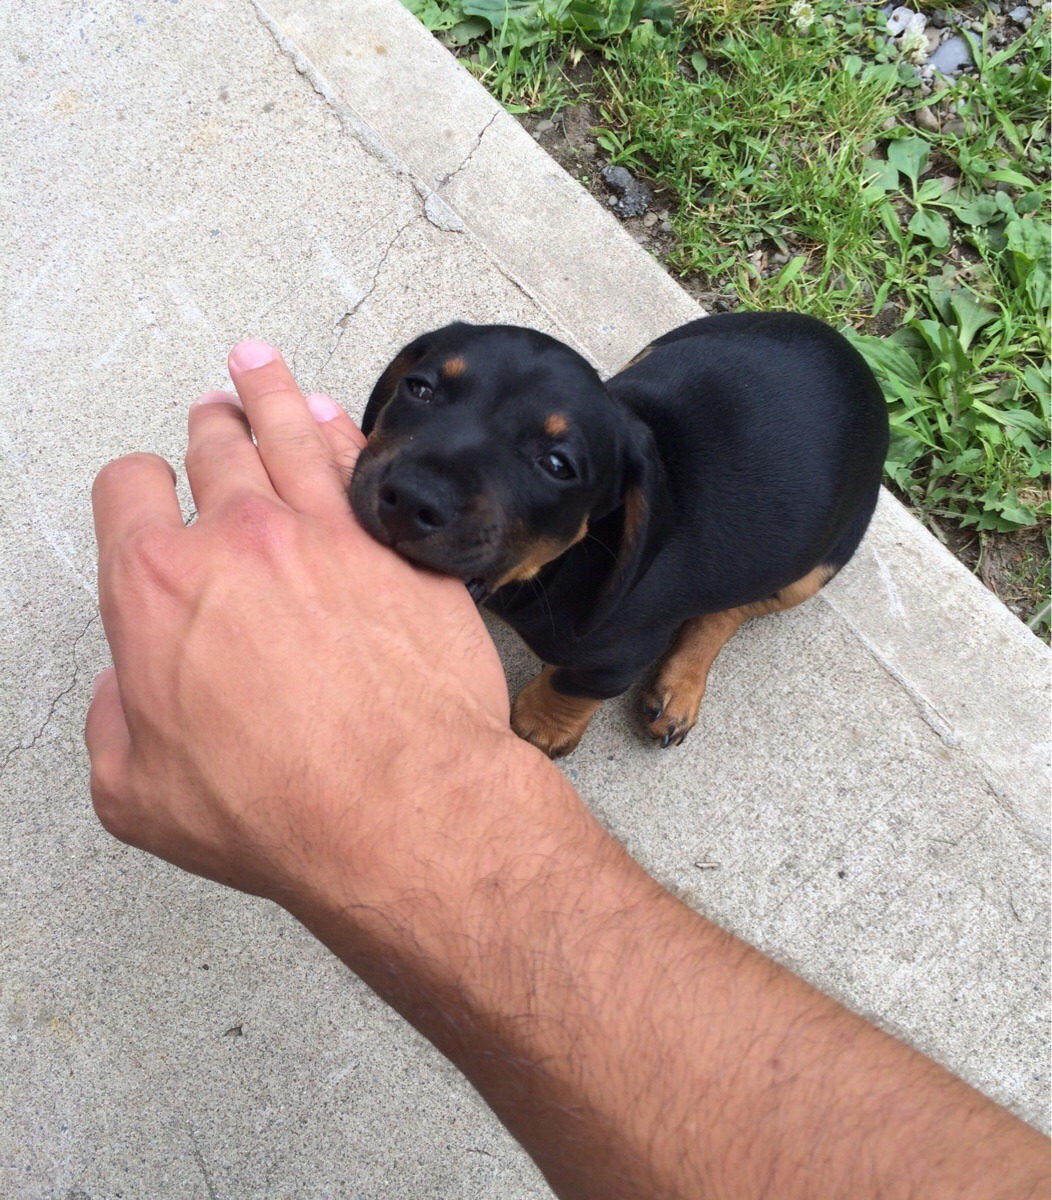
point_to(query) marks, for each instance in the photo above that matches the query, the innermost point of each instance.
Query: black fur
(749, 445)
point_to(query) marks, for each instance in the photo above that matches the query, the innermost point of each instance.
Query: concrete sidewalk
(870, 771)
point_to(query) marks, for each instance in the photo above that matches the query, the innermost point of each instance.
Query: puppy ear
(387, 384)
(645, 510)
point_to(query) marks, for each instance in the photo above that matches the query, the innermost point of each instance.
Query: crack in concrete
(340, 328)
(446, 180)
(435, 209)
(204, 1172)
(22, 747)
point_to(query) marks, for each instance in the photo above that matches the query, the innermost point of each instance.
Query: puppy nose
(414, 506)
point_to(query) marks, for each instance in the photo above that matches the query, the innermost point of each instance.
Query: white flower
(803, 15)
(913, 43)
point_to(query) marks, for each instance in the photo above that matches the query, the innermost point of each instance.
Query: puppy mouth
(474, 557)
(479, 589)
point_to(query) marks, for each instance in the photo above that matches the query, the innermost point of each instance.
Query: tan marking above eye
(556, 425)
(453, 368)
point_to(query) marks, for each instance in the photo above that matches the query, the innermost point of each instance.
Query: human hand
(290, 701)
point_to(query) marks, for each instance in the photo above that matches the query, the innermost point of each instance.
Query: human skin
(297, 712)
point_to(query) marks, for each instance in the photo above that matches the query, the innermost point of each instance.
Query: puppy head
(491, 450)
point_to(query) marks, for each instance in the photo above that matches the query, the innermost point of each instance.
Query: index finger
(132, 493)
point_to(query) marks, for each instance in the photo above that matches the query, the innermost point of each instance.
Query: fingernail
(247, 356)
(219, 398)
(323, 408)
(98, 681)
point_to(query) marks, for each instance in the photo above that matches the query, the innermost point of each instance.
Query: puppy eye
(556, 466)
(421, 389)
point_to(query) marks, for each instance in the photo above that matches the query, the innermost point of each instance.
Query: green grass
(800, 176)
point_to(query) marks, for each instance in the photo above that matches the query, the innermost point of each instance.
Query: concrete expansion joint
(23, 747)
(943, 728)
(350, 122)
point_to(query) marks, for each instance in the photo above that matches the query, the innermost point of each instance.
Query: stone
(953, 56)
(631, 197)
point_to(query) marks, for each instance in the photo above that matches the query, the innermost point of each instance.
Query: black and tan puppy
(730, 470)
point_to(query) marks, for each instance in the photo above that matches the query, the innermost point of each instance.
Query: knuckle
(149, 553)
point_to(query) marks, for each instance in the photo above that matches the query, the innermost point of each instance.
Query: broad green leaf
(1032, 239)
(930, 189)
(499, 12)
(622, 15)
(437, 17)
(971, 316)
(979, 211)
(910, 156)
(932, 226)
(1017, 417)
(1004, 175)
(880, 174)
(465, 31)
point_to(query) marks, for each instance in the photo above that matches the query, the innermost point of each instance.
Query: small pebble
(926, 119)
(900, 19)
(650, 220)
(544, 126)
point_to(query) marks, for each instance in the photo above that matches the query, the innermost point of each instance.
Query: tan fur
(550, 721)
(635, 512)
(677, 691)
(556, 425)
(453, 368)
(537, 554)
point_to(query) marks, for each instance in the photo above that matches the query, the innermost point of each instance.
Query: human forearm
(636, 1049)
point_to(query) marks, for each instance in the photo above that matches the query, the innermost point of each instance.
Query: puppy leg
(552, 721)
(672, 701)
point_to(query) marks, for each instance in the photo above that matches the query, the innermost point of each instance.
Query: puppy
(729, 471)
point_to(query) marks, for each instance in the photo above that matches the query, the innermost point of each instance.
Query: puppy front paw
(552, 722)
(670, 714)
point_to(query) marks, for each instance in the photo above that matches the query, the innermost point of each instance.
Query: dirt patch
(569, 138)
(1014, 566)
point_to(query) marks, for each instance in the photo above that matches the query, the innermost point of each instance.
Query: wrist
(443, 835)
